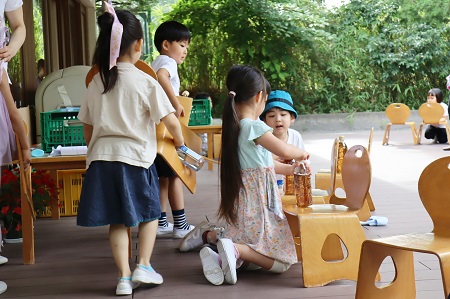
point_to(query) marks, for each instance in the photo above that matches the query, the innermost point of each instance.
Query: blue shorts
(118, 193)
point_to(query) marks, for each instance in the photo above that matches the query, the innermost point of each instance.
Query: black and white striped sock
(179, 219)
(162, 221)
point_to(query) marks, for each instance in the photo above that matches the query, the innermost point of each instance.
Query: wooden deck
(75, 262)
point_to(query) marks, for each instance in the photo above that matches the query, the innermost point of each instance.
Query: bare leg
(147, 235)
(163, 193)
(118, 239)
(249, 255)
(175, 194)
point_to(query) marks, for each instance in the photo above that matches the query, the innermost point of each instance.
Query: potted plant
(45, 193)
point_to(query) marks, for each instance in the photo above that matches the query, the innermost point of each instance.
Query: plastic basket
(70, 182)
(60, 127)
(200, 113)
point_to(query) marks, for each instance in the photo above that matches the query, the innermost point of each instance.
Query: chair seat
(317, 209)
(421, 242)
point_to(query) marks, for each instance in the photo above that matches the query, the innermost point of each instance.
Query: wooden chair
(331, 181)
(398, 114)
(315, 224)
(431, 113)
(434, 191)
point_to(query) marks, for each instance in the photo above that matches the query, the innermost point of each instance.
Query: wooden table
(210, 130)
(53, 164)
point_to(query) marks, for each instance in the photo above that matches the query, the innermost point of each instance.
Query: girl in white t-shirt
(120, 112)
(437, 131)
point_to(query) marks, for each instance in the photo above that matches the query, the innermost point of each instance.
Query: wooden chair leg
(444, 261)
(372, 255)
(414, 134)
(386, 134)
(370, 202)
(314, 232)
(419, 134)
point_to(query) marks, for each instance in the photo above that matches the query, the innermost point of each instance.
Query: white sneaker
(211, 266)
(3, 260)
(146, 276)
(179, 233)
(165, 231)
(227, 255)
(3, 287)
(125, 286)
(194, 239)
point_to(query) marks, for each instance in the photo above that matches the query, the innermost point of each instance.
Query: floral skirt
(118, 193)
(258, 226)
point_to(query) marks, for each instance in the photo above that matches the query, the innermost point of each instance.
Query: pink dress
(7, 138)
(261, 224)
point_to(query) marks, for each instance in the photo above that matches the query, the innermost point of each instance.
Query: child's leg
(441, 134)
(430, 132)
(118, 239)
(251, 256)
(144, 273)
(176, 200)
(147, 235)
(163, 198)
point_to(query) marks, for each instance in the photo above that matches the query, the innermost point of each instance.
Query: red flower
(45, 192)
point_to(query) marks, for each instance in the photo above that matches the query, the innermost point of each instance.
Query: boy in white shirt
(172, 41)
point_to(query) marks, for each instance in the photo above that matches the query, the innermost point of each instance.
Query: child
(279, 114)
(172, 41)
(437, 131)
(119, 114)
(257, 231)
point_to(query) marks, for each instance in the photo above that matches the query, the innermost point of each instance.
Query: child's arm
(18, 29)
(87, 132)
(16, 119)
(173, 125)
(280, 148)
(164, 81)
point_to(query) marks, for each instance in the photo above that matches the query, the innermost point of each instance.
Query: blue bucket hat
(279, 99)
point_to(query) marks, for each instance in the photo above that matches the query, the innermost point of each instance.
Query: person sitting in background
(437, 131)
(40, 71)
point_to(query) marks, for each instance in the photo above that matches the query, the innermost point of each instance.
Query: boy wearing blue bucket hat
(279, 114)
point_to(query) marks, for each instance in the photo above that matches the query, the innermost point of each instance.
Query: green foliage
(358, 57)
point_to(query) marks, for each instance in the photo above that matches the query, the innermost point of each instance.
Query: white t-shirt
(165, 62)
(445, 114)
(8, 5)
(295, 138)
(124, 119)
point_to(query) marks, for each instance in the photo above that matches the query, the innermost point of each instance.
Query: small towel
(375, 221)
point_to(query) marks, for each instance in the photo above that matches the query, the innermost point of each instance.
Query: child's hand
(26, 155)
(179, 111)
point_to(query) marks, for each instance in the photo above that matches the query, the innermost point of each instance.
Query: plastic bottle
(341, 153)
(302, 182)
(281, 184)
(190, 158)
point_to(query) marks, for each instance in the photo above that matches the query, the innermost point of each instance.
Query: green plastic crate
(200, 113)
(61, 127)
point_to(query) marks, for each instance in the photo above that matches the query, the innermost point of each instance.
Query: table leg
(210, 150)
(54, 206)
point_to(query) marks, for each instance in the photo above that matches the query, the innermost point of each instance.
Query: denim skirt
(118, 193)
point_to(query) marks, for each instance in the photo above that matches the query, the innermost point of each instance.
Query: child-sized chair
(434, 191)
(312, 226)
(398, 114)
(431, 113)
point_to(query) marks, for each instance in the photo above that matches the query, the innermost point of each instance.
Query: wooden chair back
(334, 161)
(434, 190)
(397, 113)
(356, 176)
(431, 113)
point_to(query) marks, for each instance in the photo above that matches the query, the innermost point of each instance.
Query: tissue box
(61, 127)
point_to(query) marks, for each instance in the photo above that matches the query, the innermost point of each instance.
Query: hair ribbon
(116, 36)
